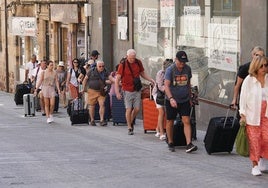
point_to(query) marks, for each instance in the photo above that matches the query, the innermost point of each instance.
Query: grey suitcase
(29, 104)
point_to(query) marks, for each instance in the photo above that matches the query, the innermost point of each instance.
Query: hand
(173, 103)
(35, 93)
(119, 96)
(242, 121)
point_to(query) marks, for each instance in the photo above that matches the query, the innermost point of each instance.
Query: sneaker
(171, 147)
(103, 123)
(93, 123)
(190, 147)
(48, 120)
(51, 118)
(256, 171)
(261, 165)
(157, 134)
(43, 114)
(130, 132)
(162, 137)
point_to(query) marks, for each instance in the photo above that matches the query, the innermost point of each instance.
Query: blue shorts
(184, 109)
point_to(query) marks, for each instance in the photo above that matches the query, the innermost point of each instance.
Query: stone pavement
(35, 154)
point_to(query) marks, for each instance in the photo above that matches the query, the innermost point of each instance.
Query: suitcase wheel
(145, 131)
(25, 115)
(33, 114)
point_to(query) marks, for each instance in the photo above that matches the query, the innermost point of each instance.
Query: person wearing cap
(159, 80)
(130, 69)
(62, 76)
(94, 56)
(36, 76)
(178, 95)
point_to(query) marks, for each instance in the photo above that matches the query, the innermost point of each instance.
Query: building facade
(217, 35)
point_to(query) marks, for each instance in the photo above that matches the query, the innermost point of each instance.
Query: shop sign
(65, 13)
(147, 26)
(167, 13)
(23, 26)
(222, 46)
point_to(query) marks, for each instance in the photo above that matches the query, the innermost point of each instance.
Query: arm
(172, 101)
(242, 102)
(117, 81)
(237, 86)
(147, 77)
(57, 83)
(40, 82)
(110, 80)
(80, 77)
(85, 82)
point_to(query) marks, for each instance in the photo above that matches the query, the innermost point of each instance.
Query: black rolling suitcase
(78, 115)
(221, 133)
(107, 113)
(178, 129)
(118, 111)
(57, 101)
(21, 89)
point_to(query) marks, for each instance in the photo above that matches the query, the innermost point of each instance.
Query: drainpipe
(6, 48)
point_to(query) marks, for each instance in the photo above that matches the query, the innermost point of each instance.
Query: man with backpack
(178, 98)
(97, 79)
(129, 71)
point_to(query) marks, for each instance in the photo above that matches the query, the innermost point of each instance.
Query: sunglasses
(258, 55)
(75, 61)
(264, 65)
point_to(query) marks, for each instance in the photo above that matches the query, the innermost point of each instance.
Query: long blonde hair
(256, 63)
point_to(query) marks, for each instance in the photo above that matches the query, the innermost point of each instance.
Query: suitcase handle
(227, 114)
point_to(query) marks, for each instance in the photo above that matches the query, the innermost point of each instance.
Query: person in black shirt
(243, 73)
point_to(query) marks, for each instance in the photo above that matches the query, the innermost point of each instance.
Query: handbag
(160, 96)
(241, 142)
(137, 84)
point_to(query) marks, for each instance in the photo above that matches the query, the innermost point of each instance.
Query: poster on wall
(192, 21)
(222, 46)
(167, 13)
(147, 26)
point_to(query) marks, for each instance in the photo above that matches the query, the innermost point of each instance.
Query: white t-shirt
(38, 76)
(30, 66)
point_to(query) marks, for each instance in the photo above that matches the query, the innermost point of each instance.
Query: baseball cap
(95, 52)
(182, 56)
(61, 64)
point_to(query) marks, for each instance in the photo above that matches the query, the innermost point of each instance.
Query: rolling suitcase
(78, 115)
(21, 89)
(118, 111)
(150, 115)
(57, 101)
(107, 113)
(29, 104)
(221, 133)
